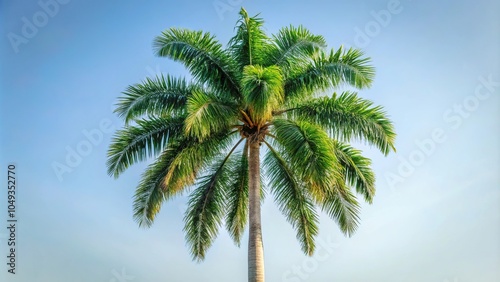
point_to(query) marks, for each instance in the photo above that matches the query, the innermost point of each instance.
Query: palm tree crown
(257, 91)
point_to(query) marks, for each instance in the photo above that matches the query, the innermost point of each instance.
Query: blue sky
(436, 216)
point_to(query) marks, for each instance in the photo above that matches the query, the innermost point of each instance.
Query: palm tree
(259, 91)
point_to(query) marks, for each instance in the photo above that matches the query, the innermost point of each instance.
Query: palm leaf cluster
(257, 88)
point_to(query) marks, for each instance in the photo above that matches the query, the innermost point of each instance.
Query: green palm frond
(136, 143)
(263, 90)
(294, 45)
(292, 199)
(349, 67)
(209, 114)
(204, 214)
(309, 151)
(326, 71)
(237, 196)
(348, 117)
(166, 177)
(250, 43)
(357, 170)
(206, 206)
(193, 157)
(203, 55)
(342, 206)
(152, 190)
(159, 96)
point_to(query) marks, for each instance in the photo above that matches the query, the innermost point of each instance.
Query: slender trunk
(255, 246)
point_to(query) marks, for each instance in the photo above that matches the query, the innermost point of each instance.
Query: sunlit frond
(327, 71)
(136, 143)
(348, 117)
(158, 96)
(310, 152)
(209, 114)
(357, 170)
(205, 211)
(193, 157)
(293, 46)
(203, 55)
(341, 205)
(206, 205)
(237, 196)
(263, 91)
(292, 198)
(152, 190)
(250, 43)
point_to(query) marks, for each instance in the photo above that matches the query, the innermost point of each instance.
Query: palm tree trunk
(255, 246)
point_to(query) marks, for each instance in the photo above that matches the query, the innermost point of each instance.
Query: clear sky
(436, 216)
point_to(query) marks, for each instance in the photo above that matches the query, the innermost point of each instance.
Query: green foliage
(160, 96)
(309, 151)
(262, 89)
(250, 44)
(294, 46)
(193, 157)
(237, 196)
(292, 198)
(208, 114)
(342, 206)
(136, 143)
(348, 117)
(356, 170)
(347, 67)
(174, 170)
(152, 190)
(205, 209)
(206, 205)
(328, 70)
(201, 54)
